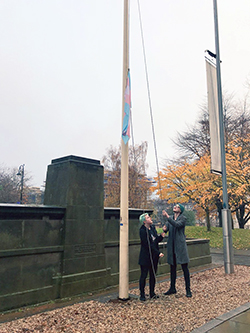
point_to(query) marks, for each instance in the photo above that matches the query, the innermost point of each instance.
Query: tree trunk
(240, 212)
(208, 219)
(241, 225)
(232, 221)
(219, 208)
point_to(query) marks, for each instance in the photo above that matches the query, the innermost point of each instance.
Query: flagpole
(226, 215)
(124, 218)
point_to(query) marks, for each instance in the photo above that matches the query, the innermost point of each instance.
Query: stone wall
(70, 245)
(31, 251)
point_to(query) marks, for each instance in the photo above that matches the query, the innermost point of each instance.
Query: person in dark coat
(177, 247)
(149, 255)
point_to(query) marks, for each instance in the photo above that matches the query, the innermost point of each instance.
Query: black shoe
(188, 293)
(154, 296)
(170, 291)
(142, 298)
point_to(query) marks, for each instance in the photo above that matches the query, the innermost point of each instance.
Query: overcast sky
(61, 74)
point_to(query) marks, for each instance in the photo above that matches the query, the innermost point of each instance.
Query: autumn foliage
(193, 181)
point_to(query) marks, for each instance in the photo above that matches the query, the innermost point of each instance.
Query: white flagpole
(124, 218)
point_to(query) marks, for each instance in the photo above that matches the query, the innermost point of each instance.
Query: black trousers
(173, 274)
(144, 274)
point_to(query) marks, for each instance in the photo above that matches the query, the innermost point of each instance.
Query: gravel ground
(214, 293)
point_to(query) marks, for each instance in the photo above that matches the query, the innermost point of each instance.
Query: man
(149, 255)
(177, 247)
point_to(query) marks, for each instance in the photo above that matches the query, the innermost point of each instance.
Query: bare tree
(195, 141)
(139, 184)
(10, 185)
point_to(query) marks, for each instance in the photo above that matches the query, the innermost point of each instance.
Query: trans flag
(126, 115)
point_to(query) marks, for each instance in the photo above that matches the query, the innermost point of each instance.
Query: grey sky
(61, 73)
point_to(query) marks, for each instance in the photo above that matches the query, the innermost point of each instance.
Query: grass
(241, 237)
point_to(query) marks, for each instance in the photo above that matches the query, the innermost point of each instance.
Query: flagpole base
(124, 299)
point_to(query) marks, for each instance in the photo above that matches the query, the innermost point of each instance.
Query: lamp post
(226, 214)
(21, 173)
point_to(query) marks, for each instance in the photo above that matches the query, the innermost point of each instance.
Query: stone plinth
(76, 183)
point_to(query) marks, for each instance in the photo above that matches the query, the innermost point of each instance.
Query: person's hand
(163, 234)
(161, 255)
(164, 213)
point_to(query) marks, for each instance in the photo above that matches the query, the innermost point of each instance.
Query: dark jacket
(177, 240)
(149, 244)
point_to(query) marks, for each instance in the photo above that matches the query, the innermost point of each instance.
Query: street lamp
(21, 173)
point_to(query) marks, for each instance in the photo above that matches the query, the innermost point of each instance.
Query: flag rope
(149, 99)
(152, 122)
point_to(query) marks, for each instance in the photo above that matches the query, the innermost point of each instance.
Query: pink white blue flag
(127, 110)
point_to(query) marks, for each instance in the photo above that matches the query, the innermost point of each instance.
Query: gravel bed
(214, 293)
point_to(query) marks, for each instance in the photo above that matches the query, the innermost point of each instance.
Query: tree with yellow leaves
(194, 144)
(238, 171)
(193, 181)
(190, 181)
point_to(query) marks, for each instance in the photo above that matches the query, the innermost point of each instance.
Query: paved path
(237, 320)
(241, 257)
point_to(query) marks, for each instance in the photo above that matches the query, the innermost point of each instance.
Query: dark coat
(177, 240)
(149, 237)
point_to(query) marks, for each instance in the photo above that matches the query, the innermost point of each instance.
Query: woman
(177, 247)
(149, 255)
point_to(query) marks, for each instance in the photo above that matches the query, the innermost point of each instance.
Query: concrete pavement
(241, 257)
(237, 320)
